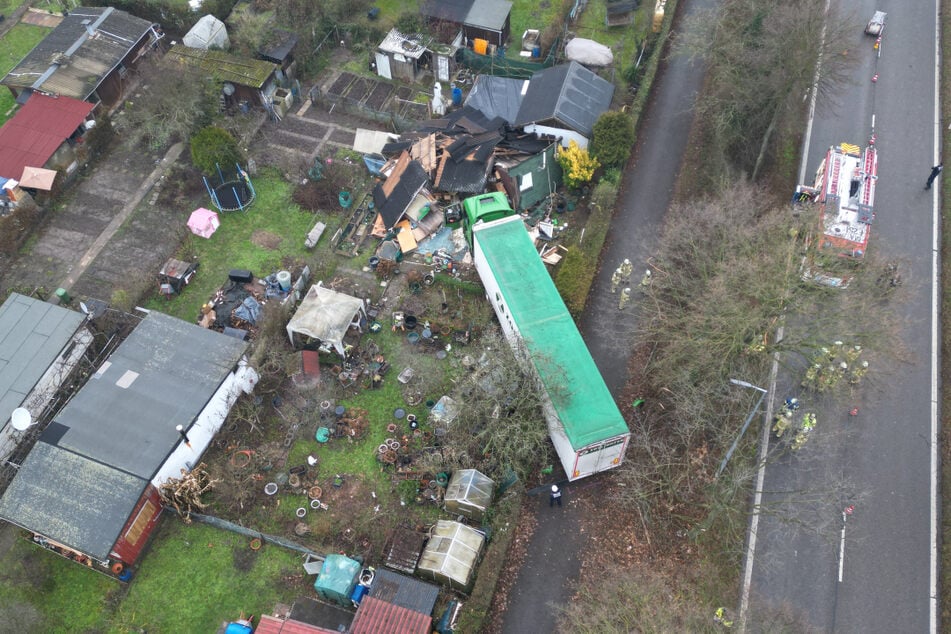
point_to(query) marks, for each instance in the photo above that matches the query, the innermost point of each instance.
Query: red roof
(273, 625)
(381, 617)
(37, 130)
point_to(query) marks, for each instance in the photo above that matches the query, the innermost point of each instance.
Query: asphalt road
(881, 460)
(553, 558)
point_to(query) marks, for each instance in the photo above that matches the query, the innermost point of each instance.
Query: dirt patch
(358, 90)
(266, 240)
(340, 85)
(379, 95)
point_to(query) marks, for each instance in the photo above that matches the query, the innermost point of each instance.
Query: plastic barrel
(284, 280)
(457, 96)
(536, 51)
(63, 296)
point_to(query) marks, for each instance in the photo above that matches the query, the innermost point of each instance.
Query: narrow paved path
(553, 561)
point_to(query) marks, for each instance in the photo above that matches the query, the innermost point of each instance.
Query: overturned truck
(584, 423)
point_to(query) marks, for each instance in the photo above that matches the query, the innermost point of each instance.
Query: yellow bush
(577, 164)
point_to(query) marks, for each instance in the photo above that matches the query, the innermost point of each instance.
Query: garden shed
(451, 555)
(400, 56)
(337, 579)
(89, 488)
(469, 493)
(565, 102)
(208, 32)
(488, 20)
(40, 344)
(326, 315)
(88, 56)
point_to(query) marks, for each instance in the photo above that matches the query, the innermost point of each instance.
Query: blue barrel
(457, 96)
(536, 51)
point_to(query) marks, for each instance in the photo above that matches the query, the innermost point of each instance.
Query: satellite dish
(21, 419)
(84, 308)
(228, 89)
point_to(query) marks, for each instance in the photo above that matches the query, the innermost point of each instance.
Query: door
(383, 66)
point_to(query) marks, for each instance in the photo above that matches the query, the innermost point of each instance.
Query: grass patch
(195, 577)
(14, 46)
(577, 271)
(233, 245)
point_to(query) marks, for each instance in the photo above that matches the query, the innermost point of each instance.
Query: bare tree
(502, 426)
(174, 103)
(764, 58)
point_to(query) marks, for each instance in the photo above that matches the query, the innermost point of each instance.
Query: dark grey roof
(32, 336)
(496, 96)
(489, 14)
(404, 591)
(279, 45)
(485, 14)
(70, 499)
(93, 58)
(161, 376)
(412, 180)
(568, 94)
(449, 10)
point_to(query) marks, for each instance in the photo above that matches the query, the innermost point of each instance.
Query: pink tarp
(203, 222)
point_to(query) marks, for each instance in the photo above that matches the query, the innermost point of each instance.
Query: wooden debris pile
(184, 494)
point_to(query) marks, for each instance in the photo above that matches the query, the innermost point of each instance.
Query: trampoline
(233, 194)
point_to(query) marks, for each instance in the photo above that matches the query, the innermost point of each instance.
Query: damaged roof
(497, 96)
(71, 62)
(394, 195)
(568, 94)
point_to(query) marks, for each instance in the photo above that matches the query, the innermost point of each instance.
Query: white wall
(208, 423)
(564, 135)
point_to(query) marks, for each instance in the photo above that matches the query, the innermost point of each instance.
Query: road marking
(935, 305)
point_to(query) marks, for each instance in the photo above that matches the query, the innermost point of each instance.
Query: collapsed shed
(469, 494)
(326, 315)
(451, 555)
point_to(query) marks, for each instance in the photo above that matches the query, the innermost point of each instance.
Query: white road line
(935, 328)
(842, 548)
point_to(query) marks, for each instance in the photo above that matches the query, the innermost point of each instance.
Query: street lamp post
(746, 424)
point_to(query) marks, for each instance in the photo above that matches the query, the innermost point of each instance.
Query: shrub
(577, 164)
(613, 138)
(572, 279)
(213, 146)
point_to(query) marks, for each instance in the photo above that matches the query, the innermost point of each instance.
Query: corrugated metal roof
(37, 130)
(32, 336)
(569, 94)
(581, 400)
(80, 74)
(379, 617)
(253, 73)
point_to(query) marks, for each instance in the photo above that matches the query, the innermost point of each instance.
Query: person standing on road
(934, 174)
(555, 496)
(624, 299)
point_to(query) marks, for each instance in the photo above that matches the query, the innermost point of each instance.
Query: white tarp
(371, 141)
(326, 315)
(208, 32)
(588, 52)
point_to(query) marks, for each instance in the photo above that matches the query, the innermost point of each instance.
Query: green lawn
(14, 46)
(232, 245)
